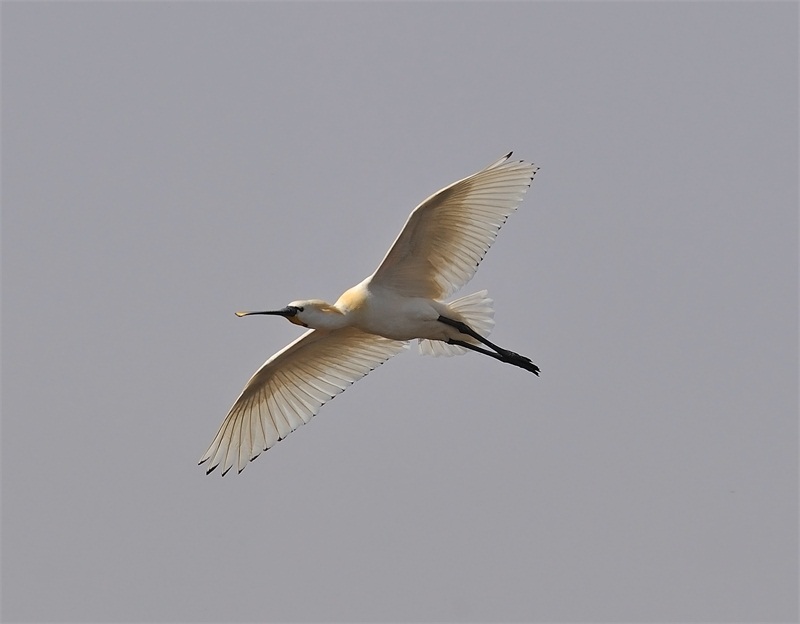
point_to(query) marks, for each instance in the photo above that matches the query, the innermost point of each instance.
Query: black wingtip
(509, 154)
(210, 470)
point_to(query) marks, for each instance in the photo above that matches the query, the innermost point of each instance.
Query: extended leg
(508, 357)
(466, 329)
(504, 355)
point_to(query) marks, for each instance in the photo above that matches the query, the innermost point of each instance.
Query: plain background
(165, 164)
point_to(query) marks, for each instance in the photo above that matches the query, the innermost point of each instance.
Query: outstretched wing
(290, 388)
(447, 235)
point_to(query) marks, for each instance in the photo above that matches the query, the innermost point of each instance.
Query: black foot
(522, 362)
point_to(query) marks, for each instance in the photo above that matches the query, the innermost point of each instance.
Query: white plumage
(437, 252)
(446, 236)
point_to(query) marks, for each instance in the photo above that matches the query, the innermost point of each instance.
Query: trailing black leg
(507, 356)
(466, 329)
(476, 348)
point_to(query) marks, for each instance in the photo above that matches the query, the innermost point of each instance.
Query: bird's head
(307, 313)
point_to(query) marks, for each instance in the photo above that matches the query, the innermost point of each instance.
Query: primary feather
(290, 388)
(448, 234)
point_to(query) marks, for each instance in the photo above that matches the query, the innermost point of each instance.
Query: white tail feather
(477, 312)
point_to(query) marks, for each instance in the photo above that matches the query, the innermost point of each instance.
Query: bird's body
(384, 312)
(436, 253)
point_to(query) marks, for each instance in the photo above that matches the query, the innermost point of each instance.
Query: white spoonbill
(436, 253)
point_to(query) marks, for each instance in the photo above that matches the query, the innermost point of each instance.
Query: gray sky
(167, 164)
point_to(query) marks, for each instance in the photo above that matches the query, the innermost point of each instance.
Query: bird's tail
(477, 312)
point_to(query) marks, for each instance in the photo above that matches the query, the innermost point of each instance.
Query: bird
(436, 253)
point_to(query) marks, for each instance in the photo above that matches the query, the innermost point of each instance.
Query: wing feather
(290, 388)
(447, 235)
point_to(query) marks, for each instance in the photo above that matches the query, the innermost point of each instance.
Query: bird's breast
(392, 316)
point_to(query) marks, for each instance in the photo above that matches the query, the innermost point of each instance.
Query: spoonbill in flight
(436, 253)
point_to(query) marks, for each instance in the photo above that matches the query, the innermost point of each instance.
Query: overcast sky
(164, 165)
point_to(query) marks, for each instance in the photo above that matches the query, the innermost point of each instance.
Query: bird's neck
(326, 317)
